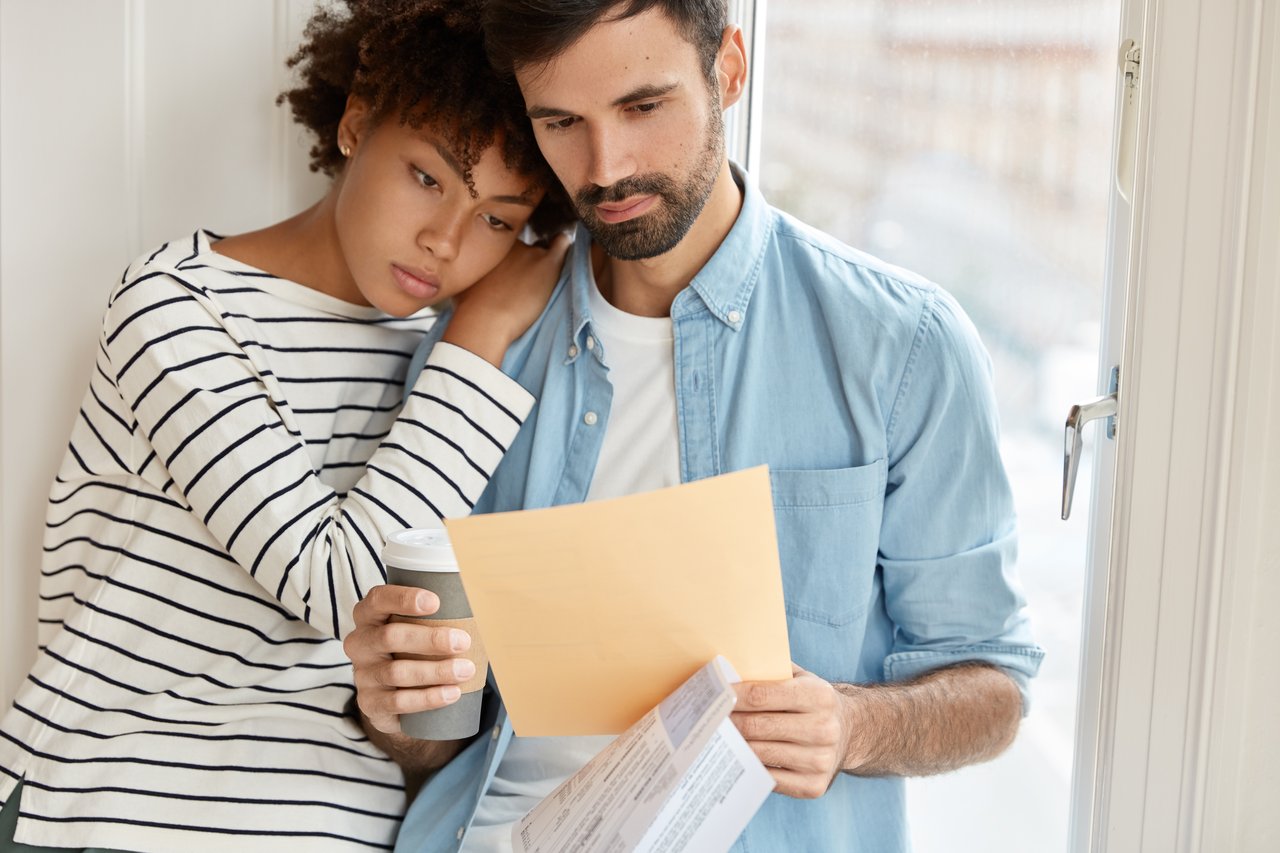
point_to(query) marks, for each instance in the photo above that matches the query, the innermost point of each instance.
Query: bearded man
(696, 330)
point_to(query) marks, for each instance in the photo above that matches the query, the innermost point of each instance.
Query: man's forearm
(941, 721)
(417, 758)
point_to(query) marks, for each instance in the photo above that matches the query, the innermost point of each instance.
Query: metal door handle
(1081, 414)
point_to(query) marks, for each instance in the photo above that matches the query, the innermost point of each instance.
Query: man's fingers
(410, 700)
(803, 786)
(419, 638)
(367, 645)
(806, 729)
(388, 600)
(419, 673)
(797, 694)
(384, 707)
(789, 756)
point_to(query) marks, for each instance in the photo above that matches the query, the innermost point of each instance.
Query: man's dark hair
(522, 33)
(422, 61)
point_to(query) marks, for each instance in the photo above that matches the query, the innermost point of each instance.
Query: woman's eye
(495, 223)
(423, 178)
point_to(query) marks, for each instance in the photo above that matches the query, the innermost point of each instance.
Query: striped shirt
(238, 460)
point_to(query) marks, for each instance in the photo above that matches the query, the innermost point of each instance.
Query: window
(969, 140)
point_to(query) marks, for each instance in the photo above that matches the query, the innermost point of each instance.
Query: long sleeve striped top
(238, 460)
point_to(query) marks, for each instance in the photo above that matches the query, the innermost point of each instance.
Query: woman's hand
(492, 313)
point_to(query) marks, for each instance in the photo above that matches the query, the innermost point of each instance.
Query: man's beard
(659, 230)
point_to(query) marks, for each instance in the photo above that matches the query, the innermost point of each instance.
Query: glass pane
(969, 140)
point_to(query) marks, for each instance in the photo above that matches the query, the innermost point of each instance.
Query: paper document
(592, 613)
(682, 778)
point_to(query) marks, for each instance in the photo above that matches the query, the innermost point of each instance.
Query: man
(695, 331)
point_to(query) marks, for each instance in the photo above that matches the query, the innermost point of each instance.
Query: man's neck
(648, 287)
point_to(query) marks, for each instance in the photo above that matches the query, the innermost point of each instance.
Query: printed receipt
(681, 778)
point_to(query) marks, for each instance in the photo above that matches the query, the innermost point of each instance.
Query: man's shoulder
(802, 244)
(849, 289)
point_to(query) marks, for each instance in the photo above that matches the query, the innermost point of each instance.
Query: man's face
(628, 121)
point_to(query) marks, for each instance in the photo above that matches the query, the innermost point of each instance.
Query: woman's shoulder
(190, 256)
(190, 267)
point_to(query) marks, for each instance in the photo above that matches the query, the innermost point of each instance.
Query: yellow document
(593, 613)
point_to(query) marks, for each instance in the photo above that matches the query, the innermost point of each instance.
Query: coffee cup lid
(423, 548)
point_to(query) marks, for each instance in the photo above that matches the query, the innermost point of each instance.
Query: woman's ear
(353, 126)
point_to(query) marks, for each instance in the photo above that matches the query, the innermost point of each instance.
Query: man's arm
(807, 730)
(387, 687)
(417, 758)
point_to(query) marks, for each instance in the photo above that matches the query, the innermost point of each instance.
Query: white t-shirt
(640, 453)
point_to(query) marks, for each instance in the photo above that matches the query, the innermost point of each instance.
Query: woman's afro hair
(422, 61)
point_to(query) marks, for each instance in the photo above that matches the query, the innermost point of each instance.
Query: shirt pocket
(828, 524)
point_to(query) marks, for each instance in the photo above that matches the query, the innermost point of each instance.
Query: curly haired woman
(243, 451)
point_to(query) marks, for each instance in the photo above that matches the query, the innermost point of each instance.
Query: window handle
(1081, 414)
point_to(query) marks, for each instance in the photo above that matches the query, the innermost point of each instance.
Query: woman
(242, 453)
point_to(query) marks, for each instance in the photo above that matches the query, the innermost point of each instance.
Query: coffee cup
(423, 558)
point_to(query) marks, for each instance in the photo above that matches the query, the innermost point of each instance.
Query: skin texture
(401, 230)
(627, 101)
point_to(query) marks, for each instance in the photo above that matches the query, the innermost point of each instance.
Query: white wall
(122, 123)
(121, 127)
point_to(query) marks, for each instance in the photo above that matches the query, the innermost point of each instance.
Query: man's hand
(806, 730)
(387, 687)
(798, 728)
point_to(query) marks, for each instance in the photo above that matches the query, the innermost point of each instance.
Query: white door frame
(1166, 673)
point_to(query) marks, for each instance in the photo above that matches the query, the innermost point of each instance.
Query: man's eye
(560, 123)
(423, 178)
(647, 107)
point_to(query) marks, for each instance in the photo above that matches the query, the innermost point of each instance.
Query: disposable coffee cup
(423, 558)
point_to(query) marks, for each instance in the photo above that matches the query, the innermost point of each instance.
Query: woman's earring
(346, 150)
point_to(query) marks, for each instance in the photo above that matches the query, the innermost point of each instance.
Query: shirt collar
(724, 284)
(726, 281)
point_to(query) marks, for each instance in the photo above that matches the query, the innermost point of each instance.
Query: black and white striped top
(239, 458)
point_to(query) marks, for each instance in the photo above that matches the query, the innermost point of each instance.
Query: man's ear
(354, 125)
(731, 66)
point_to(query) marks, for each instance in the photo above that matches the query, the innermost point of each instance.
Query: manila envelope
(592, 613)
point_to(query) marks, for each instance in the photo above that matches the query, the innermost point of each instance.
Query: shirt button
(462, 830)
(590, 419)
(573, 350)
(591, 342)
(735, 317)
(496, 731)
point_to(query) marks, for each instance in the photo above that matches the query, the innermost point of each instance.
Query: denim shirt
(866, 391)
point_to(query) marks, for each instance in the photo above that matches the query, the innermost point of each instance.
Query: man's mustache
(592, 195)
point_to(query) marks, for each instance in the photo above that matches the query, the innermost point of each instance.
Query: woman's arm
(207, 421)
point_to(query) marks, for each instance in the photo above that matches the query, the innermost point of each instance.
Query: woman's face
(409, 229)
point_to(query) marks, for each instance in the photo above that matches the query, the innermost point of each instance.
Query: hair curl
(424, 62)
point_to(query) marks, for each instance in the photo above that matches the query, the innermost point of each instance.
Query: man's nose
(611, 158)
(442, 233)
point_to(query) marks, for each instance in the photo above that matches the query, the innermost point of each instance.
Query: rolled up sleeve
(948, 544)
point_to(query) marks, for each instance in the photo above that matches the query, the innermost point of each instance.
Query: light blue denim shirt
(866, 391)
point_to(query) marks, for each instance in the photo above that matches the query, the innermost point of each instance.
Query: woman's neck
(303, 248)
